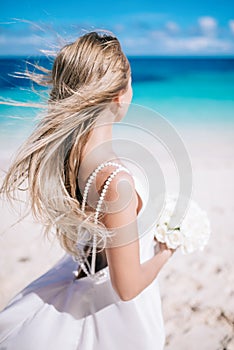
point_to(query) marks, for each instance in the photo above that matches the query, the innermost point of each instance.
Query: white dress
(59, 312)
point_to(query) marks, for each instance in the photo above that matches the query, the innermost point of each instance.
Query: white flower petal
(194, 230)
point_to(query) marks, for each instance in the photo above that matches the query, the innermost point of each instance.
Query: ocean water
(185, 91)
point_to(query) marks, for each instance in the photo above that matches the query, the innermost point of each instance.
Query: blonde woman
(78, 186)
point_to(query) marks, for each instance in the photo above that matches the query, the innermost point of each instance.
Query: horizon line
(129, 56)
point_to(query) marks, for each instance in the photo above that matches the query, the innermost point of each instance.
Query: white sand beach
(198, 289)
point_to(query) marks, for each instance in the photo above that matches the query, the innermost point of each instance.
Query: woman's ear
(119, 99)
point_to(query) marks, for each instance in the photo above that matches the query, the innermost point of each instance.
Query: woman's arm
(128, 276)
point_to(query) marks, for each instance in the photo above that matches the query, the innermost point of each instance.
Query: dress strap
(90, 180)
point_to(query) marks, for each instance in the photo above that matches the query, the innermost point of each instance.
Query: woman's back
(63, 312)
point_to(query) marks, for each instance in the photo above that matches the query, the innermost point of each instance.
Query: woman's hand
(163, 249)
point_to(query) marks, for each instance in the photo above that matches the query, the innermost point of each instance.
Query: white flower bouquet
(192, 234)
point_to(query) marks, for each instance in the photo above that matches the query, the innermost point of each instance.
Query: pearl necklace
(79, 258)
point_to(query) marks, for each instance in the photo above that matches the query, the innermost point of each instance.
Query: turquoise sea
(187, 91)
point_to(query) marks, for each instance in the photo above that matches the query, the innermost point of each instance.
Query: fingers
(163, 247)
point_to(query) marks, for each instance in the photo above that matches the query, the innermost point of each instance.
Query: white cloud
(208, 25)
(3, 39)
(172, 27)
(147, 37)
(160, 43)
(119, 27)
(30, 44)
(133, 43)
(231, 25)
(157, 34)
(198, 44)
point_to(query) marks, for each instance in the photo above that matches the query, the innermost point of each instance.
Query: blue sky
(144, 27)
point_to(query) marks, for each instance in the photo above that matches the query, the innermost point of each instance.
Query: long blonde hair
(86, 75)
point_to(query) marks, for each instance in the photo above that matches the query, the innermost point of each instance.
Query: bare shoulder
(120, 199)
(121, 184)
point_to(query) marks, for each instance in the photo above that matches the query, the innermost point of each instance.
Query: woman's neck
(99, 147)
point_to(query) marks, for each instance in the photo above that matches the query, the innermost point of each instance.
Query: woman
(78, 185)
